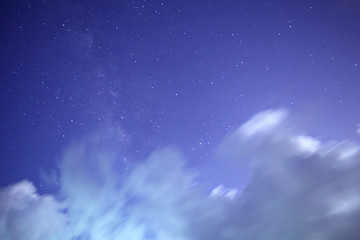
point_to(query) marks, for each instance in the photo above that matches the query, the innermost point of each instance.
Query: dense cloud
(299, 188)
(26, 215)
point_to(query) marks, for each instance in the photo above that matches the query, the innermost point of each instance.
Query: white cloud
(298, 189)
(306, 144)
(348, 152)
(26, 215)
(222, 192)
(347, 204)
(263, 122)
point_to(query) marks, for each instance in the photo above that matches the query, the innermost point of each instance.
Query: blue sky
(127, 80)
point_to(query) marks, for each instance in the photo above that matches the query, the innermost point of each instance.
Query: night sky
(91, 92)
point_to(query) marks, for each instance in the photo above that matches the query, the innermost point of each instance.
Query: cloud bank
(299, 188)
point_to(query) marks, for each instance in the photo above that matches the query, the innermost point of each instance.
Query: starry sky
(141, 76)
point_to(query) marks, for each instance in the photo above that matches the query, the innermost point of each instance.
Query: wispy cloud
(299, 188)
